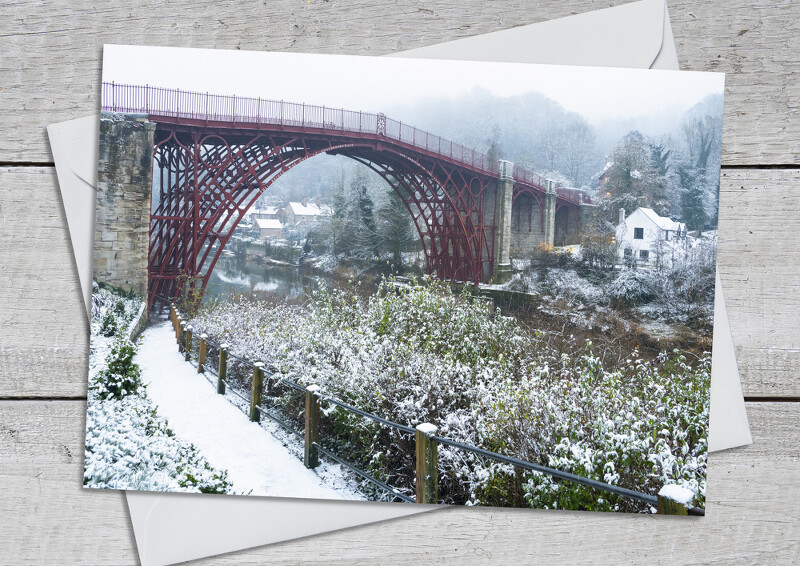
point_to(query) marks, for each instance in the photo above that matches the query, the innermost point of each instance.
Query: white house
(265, 212)
(303, 212)
(269, 226)
(648, 238)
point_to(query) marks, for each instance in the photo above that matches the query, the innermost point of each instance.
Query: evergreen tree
(692, 197)
(395, 226)
(623, 187)
(636, 177)
(361, 225)
(657, 178)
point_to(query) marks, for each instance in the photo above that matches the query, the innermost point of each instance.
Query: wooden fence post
(255, 391)
(172, 315)
(427, 464)
(188, 348)
(667, 506)
(674, 500)
(181, 331)
(311, 454)
(201, 354)
(222, 370)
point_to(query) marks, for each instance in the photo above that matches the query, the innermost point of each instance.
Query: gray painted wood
(51, 52)
(752, 516)
(49, 71)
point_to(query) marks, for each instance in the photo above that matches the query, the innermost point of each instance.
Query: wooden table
(50, 56)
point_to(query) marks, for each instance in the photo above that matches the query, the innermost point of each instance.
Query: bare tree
(577, 149)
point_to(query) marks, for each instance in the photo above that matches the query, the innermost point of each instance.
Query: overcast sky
(373, 84)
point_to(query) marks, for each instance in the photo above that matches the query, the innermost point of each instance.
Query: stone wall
(525, 236)
(124, 184)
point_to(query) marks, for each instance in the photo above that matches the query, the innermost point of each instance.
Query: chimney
(305, 201)
(621, 215)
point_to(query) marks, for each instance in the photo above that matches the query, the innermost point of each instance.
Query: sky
(373, 84)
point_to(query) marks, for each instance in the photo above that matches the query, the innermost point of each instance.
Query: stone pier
(122, 216)
(549, 213)
(505, 193)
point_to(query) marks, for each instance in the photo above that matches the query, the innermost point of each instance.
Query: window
(628, 252)
(638, 233)
(644, 255)
(666, 235)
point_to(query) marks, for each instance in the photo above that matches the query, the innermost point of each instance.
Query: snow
(677, 493)
(662, 221)
(305, 210)
(233, 280)
(262, 286)
(427, 428)
(269, 223)
(486, 381)
(255, 460)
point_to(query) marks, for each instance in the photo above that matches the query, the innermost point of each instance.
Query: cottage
(303, 212)
(271, 212)
(269, 227)
(648, 238)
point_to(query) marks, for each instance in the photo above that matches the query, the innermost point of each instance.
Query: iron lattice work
(205, 182)
(214, 155)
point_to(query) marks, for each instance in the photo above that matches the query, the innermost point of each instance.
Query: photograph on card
(399, 280)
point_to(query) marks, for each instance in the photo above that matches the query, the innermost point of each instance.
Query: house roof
(661, 221)
(266, 210)
(309, 209)
(269, 223)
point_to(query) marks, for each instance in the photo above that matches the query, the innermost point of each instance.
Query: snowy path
(255, 460)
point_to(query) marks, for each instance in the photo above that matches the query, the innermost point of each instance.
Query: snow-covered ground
(255, 460)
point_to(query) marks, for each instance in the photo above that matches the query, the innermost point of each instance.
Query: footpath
(223, 434)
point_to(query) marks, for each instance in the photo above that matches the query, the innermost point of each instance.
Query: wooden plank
(52, 52)
(752, 518)
(45, 334)
(759, 255)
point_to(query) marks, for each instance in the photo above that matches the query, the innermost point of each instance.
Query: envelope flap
(627, 36)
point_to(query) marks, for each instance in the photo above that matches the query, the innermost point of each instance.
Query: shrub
(419, 353)
(122, 377)
(109, 327)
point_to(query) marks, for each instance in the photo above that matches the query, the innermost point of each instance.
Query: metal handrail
(644, 497)
(384, 486)
(651, 499)
(189, 105)
(357, 411)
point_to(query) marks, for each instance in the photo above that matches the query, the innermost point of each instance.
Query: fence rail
(230, 109)
(425, 434)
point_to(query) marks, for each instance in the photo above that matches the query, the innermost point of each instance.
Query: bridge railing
(181, 104)
(425, 437)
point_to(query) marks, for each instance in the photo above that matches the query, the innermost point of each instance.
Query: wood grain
(50, 57)
(750, 520)
(758, 257)
(51, 52)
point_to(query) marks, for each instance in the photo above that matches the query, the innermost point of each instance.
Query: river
(232, 276)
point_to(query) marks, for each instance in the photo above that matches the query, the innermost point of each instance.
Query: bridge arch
(214, 154)
(205, 183)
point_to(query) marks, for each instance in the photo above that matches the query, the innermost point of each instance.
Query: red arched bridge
(214, 156)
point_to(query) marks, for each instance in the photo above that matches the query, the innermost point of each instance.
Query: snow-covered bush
(127, 445)
(631, 287)
(122, 376)
(419, 353)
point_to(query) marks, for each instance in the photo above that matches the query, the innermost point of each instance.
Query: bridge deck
(174, 106)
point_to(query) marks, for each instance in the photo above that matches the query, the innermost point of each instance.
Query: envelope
(176, 527)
